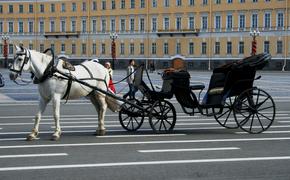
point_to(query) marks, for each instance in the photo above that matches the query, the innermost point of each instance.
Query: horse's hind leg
(100, 104)
(42, 105)
(56, 116)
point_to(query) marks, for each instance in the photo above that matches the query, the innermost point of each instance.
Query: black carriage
(231, 98)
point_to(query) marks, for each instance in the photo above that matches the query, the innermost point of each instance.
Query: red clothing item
(112, 86)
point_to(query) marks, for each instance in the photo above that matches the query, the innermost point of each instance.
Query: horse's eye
(19, 59)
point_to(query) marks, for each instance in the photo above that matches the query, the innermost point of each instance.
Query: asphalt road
(197, 149)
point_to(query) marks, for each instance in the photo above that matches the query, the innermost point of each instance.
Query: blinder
(26, 59)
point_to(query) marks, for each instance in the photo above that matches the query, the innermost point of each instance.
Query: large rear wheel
(255, 110)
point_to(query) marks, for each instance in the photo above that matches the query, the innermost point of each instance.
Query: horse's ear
(17, 48)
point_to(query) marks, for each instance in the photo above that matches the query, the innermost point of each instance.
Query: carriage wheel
(162, 116)
(226, 116)
(255, 110)
(130, 117)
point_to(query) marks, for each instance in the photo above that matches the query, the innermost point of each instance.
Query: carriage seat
(197, 87)
(216, 90)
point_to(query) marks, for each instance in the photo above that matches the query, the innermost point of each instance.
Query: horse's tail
(113, 104)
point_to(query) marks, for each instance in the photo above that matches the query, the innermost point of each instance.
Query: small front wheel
(162, 116)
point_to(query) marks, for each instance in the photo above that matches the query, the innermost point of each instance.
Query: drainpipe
(286, 38)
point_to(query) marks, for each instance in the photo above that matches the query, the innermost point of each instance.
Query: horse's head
(20, 63)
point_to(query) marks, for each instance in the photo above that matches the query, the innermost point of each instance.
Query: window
(178, 2)
(30, 8)
(104, 24)
(1, 27)
(178, 23)
(21, 8)
(229, 22)
(113, 4)
(204, 2)
(241, 47)
(123, 4)
(242, 1)
(73, 7)
(122, 48)
(103, 5)
(1, 48)
(123, 25)
(217, 48)
(203, 48)
(142, 24)
(94, 8)
(266, 46)
(20, 27)
(10, 9)
(217, 1)
(191, 2)
(267, 20)
(94, 49)
(52, 8)
(191, 23)
(1, 8)
(132, 24)
(166, 23)
(154, 3)
(242, 21)
(178, 48)
(30, 46)
(62, 48)
(84, 6)
(73, 26)
(204, 23)
(52, 46)
(11, 48)
(154, 24)
(165, 48)
(84, 25)
(166, 3)
(142, 48)
(280, 20)
(41, 47)
(142, 3)
(255, 1)
(279, 47)
(230, 1)
(84, 49)
(254, 20)
(94, 25)
(30, 27)
(132, 4)
(191, 48)
(229, 47)
(153, 48)
(62, 26)
(73, 49)
(113, 25)
(10, 27)
(217, 23)
(41, 26)
(62, 7)
(41, 8)
(132, 48)
(52, 26)
(103, 48)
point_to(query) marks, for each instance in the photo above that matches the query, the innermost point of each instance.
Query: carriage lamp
(5, 38)
(113, 37)
(254, 34)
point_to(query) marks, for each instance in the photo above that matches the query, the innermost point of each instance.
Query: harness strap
(68, 88)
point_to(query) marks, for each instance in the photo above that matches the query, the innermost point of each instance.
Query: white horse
(54, 86)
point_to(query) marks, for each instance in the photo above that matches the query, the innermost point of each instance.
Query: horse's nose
(13, 76)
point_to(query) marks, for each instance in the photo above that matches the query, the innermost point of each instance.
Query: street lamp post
(113, 37)
(254, 34)
(5, 38)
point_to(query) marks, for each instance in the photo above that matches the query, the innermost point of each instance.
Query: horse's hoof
(101, 132)
(30, 138)
(55, 138)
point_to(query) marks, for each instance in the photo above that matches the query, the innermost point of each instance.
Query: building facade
(205, 33)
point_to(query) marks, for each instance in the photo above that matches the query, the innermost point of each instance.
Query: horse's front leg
(56, 116)
(41, 108)
(101, 106)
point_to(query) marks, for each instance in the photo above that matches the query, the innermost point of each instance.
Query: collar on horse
(49, 70)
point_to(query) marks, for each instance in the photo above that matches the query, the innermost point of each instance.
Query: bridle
(26, 59)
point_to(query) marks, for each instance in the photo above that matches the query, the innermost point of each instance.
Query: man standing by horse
(130, 80)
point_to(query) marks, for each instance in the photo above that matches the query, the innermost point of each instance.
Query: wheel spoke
(265, 108)
(136, 120)
(164, 125)
(156, 122)
(258, 95)
(264, 116)
(252, 122)
(258, 105)
(244, 121)
(223, 113)
(227, 117)
(260, 122)
(129, 122)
